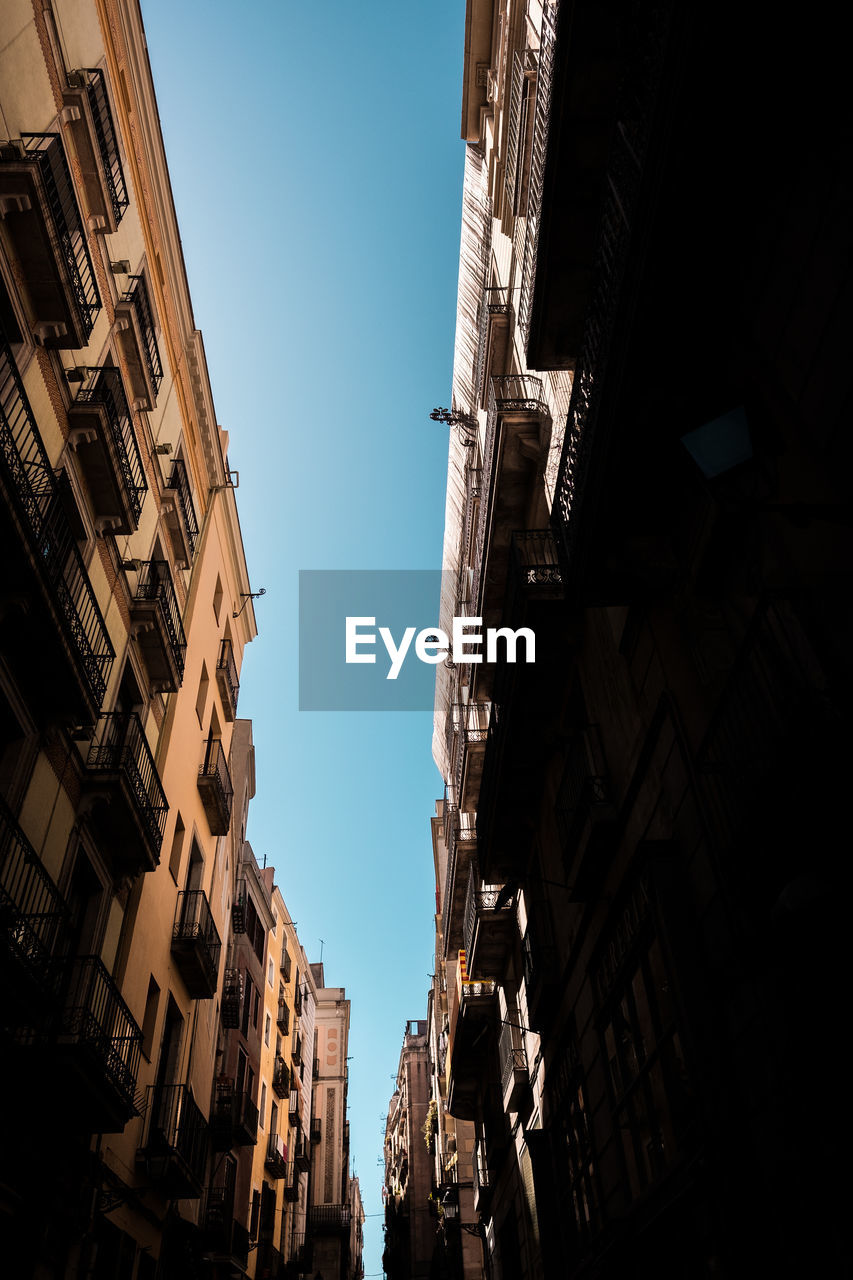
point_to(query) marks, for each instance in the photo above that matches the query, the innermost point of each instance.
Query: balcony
(174, 1142)
(44, 231)
(301, 1155)
(33, 924)
(535, 564)
(286, 965)
(283, 1017)
(493, 341)
(291, 1184)
(95, 1054)
(157, 625)
(138, 343)
(102, 436)
(472, 1014)
(196, 944)
(180, 516)
(513, 1060)
(303, 1252)
(316, 1129)
(489, 926)
(121, 772)
(94, 139)
(226, 678)
(214, 784)
(235, 1117)
(329, 1219)
(281, 1077)
(461, 849)
(516, 413)
(482, 1183)
(223, 1237)
(232, 999)
(57, 643)
(275, 1162)
(470, 727)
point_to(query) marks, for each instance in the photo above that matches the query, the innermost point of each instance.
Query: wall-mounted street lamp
(246, 596)
(452, 418)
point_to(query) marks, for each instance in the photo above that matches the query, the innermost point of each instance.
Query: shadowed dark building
(643, 897)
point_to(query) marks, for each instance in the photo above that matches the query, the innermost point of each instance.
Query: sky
(316, 163)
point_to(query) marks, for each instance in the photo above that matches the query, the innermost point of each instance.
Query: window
(256, 1007)
(149, 1020)
(177, 850)
(201, 696)
(247, 1004)
(217, 598)
(267, 1026)
(520, 131)
(263, 1106)
(271, 972)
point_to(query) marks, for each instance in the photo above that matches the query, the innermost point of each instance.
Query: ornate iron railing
(137, 296)
(33, 913)
(232, 998)
(535, 558)
(194, 922)
(104, 387)
(46, 152)
(461, 829)
(328, 1217)
(105, 133)
(173, 1122)
(281, 1077)
(95, 1015)
(479, 898)
(513, 1056)
(180, 484)
(119, 745)
(511, 393)
(283, 1017)
(34, 495)
(494, 307)
(155, 583)
(226, 664)
(214, 769)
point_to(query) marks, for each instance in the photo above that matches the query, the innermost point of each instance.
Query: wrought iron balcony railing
(57, 202)
(513, 1060)
(137, 298)
(480, 1172)
(535, 559)
(238, 907)
(119, 753)
(174, 1141)
(226, 678)
(97, 1036)
(33, 917)
(283, 1017)
(234, 1122)
(461, 837)
(495, 309)
(470, 722)
(196, 944)
(514, 396)
(215, 787)
(33, 496)
(182, 517)
(286, 965)
(281, 1077)
(164, 645)
(301, 1154)
(105, 133)
(483, 906)
(100, 407)
(327, 1219)
(276, 1157)
(232, 999)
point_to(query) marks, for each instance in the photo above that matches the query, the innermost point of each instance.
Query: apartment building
(409, 1141)
(639, 898)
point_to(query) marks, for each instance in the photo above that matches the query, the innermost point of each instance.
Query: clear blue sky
(317, 169)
